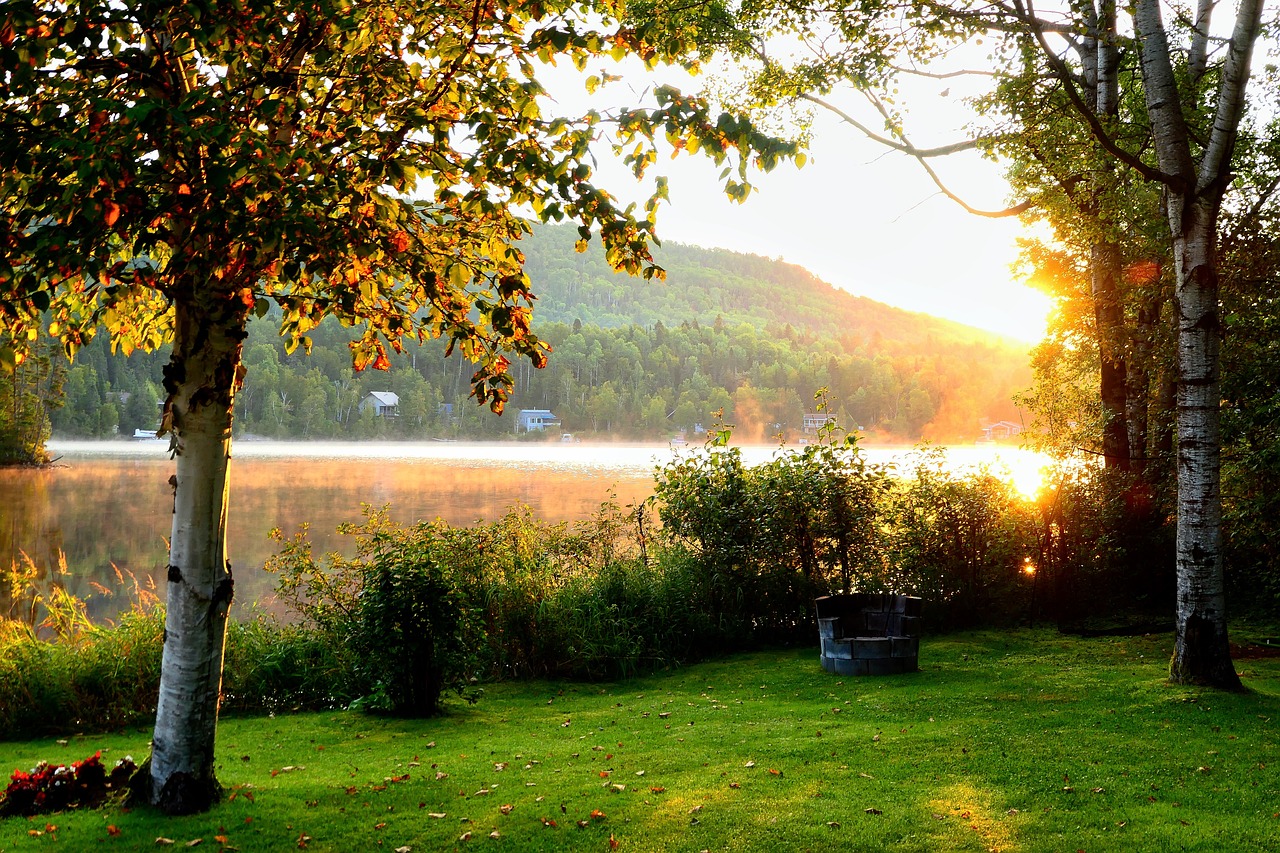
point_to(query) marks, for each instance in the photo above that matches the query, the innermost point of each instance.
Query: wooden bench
(868, 633)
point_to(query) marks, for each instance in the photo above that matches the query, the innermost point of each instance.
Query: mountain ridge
(703, 283)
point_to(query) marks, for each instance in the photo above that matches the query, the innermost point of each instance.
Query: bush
(1104, 548)
(395, 618)
(772, 538)
(960, 541)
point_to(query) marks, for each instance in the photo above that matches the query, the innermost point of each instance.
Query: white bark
(200, 380)
(1201, 653)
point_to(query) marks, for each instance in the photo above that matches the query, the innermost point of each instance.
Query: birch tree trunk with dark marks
(1201, 654)
(201, 380)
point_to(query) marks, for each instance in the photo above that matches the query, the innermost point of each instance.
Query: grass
(1004, 741)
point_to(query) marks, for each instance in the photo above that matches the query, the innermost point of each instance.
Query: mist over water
(108, 505)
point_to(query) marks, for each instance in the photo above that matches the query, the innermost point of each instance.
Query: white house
(384, 404)
(814, 421)
(1001, 430)
(540, 419)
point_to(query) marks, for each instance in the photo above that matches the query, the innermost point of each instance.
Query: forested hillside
(632, 359)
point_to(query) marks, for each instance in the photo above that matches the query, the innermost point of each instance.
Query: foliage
(1103, 549)
(772, 538)
(959, 541)
(399, 622)
(51, 788)
(82, 675)
(28, 394)
(292, 139)
(962, 761)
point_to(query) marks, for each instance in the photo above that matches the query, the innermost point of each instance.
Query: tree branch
(1063, 73)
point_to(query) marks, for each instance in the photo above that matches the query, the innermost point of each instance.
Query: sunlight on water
(1024, 468)
(109, 504)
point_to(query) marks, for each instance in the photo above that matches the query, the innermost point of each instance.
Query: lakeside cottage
(1000, 431)
(384, 404)
(814, 421)
(540, 419)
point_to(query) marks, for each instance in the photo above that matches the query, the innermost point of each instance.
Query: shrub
(772, 538)
(396, 617)
(960, 541)
(1104, 547)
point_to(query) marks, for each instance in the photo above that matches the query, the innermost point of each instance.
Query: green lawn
(1023, 741)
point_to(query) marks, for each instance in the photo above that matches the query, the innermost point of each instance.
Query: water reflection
(109, 503)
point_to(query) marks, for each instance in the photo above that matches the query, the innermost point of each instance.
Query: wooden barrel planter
(867, 633)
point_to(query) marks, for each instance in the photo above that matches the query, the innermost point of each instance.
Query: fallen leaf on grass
(613, 842)
(749, 764)
(833, 824)
(113, 830)
(163, 842)
(873, 811)
(657, 789)
(773, 772)
(734, 785)
(596, 814)
(1098, 790)
(495, 835)
(436, 815)
(405, 849)
(196, 842)
(440, 774)
(466, 836)
(549, 822)
(303, 840)
(695, 809)
(506, 808)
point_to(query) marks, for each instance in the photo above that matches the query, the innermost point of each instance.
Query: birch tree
(169, 169)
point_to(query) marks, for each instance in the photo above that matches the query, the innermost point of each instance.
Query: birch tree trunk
(201, 379)
(1201, 651)
(1202, 654)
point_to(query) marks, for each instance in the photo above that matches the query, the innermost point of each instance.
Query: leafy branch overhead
(370, 161)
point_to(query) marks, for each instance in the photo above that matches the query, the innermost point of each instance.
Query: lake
(106, 507)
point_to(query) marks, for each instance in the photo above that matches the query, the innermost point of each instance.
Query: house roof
(386, 398)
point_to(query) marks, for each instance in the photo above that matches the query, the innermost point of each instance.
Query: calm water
(108, 505)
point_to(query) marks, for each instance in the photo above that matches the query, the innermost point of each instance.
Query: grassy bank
(1019, 741)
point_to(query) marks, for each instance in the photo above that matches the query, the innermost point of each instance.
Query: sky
(865, 219)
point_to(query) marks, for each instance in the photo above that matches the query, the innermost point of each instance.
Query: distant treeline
(630, 382)
(751, 336)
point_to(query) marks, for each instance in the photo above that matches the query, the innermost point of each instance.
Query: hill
(705, 284)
